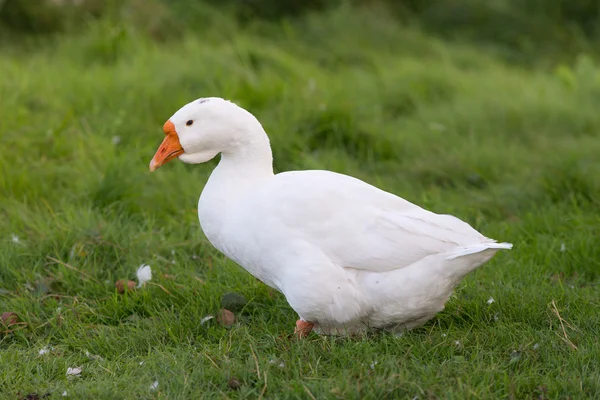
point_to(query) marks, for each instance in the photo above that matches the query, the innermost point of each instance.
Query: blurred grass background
(486, 110)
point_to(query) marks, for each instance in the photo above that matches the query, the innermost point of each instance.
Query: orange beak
(169, 149)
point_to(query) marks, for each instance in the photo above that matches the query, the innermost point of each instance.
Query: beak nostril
(162, 150)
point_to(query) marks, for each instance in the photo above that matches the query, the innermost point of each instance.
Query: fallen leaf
(226, 317)
(9, 318)
(234, 383)
(73, 371)
(35, 396)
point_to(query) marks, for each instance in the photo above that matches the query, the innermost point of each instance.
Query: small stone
(234, 383)
(9, 318)
(124, 285)
(233, 301)
(226, 317)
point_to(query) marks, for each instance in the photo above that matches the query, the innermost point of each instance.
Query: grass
(513, 151)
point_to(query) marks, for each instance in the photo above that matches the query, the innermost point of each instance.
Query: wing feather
(360, 226)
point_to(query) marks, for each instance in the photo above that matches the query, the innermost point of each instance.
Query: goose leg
(303, 328)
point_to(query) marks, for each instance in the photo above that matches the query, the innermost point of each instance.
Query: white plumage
(347, 256)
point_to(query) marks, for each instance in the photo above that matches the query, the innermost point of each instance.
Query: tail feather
(477, 248)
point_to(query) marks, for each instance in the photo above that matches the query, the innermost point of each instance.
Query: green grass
(513, 151)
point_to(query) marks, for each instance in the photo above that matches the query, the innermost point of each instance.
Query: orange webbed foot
(303, 328)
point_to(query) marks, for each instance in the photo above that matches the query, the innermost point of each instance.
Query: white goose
(347, 256)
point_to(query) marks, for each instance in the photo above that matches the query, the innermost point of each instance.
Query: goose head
(200, 130)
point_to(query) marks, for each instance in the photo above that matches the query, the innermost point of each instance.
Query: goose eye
(190, 122)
